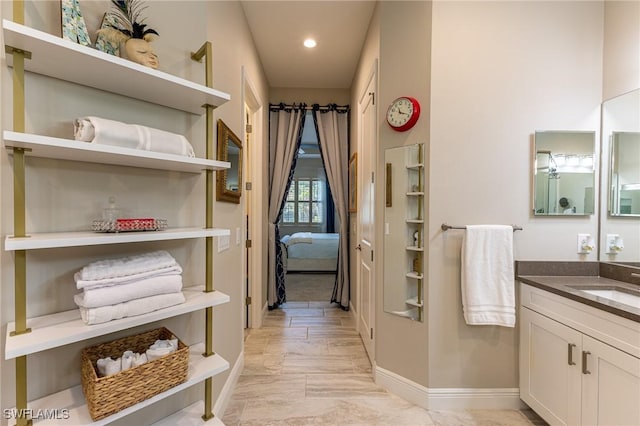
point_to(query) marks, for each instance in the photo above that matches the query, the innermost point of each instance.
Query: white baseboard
(448, 398)
(227, 390)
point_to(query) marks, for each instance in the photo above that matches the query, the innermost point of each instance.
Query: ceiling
(280, 27)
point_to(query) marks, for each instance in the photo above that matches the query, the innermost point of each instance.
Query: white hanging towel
(488, 294)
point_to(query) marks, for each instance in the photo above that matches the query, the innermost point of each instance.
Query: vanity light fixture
(310, 43)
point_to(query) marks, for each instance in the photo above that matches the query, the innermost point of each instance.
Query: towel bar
(446, 227)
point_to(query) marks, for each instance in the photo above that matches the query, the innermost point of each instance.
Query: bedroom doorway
(307, 226)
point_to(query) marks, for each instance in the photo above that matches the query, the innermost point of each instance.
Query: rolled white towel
(127, 360)
(139, 359)
(103, 296)
(161, 348)
(108, 366)
(170, 343)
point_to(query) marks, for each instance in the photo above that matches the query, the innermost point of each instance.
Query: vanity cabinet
(38, 52)
(572, 368)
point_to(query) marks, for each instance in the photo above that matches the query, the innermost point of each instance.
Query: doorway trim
(251, 102)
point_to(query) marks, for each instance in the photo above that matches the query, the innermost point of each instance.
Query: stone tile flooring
(307, 366)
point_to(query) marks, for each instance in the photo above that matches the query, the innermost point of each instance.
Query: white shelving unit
(415, 228)
(54, 57)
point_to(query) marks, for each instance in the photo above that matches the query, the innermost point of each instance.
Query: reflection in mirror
(403, 232)
(564, 173)
(229, 181)
(624, 174)
(620, 212)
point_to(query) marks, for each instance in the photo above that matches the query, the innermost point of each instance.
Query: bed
(309, 251)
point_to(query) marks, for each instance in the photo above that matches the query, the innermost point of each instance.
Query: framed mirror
(229, 181)
(624, 174)
(564, 173)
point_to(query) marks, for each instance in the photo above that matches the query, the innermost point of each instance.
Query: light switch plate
(238, 236)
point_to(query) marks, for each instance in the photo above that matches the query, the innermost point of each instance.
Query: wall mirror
(564, 173)
(403, 232)
(229, 181)
(620, 212)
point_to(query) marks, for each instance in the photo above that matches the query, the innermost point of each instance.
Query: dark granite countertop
(564, 286)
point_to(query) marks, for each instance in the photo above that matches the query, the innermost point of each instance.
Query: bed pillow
(300, 237)
(285, 239)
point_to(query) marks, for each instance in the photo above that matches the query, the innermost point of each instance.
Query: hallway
(307, 366)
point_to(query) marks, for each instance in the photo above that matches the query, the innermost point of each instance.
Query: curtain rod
(281, 106)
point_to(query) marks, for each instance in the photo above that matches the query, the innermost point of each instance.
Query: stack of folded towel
(108, 366)
(128, 286)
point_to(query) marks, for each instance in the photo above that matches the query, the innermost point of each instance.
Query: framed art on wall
(353, 183)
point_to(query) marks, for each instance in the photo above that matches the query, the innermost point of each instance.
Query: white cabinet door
(550, 368)
(610, 385)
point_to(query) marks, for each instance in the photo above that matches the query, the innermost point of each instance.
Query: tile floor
(307, 366)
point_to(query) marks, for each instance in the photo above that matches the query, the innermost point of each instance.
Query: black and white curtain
(332, 127)
(285, 133)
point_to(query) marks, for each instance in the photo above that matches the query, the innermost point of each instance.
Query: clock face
(403, 113)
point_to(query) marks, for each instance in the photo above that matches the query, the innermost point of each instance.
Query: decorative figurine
(130, 30)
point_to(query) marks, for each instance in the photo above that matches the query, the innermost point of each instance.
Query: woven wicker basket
(108, 395)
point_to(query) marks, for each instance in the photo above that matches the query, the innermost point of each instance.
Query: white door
(366, 162)
(550, 368)
(610, 385)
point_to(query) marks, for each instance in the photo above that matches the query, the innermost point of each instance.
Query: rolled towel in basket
(161, 348)
(115, 133)
(131, 308)
(108, 366)
(103, 296)
(138, 359)
(127, 360)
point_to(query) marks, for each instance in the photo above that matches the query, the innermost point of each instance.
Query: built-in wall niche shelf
(58, 58)
(63, 328)
(414, 302)
(72, 150)
(189, 416)
(88, 238)
(73, 400)
(415, 275)
(414, 248)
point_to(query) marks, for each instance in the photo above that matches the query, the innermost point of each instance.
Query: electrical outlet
(223, 243)
(585, 243)
(614, 244)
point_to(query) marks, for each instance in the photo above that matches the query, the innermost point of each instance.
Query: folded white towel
(110, 132)
(488, 295)
(131, 308)
(108, 366)
(129, 279)
(93, 297)
(128, 265)
(138, 359)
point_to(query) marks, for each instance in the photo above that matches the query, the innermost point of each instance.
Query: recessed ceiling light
(310, 43)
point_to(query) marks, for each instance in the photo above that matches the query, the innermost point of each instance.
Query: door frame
(255, 198)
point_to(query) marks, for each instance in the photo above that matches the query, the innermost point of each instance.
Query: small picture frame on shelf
(353, 183)
(73, 26)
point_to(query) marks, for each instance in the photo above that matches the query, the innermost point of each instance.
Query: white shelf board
(63, 328)
(415, 166)
(415, 194)
(72, 399)
(62, 59)
(414, 248)
(414, 302)
(88, 238)
(72, 150)
(189, 416)
(415, 221)
(415, 275)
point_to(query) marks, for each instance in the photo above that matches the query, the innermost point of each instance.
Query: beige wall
(68, 195)
(309, 96)
(621, 47)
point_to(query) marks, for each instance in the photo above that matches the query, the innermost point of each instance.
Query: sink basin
(617, 294)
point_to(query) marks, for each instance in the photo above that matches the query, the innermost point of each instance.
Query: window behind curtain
(305, 202)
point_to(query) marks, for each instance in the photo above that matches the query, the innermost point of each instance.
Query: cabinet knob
(585, 354)
(358, 247)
